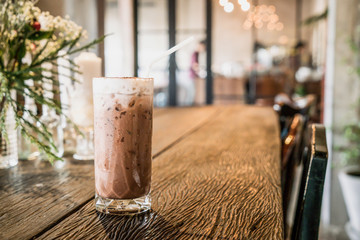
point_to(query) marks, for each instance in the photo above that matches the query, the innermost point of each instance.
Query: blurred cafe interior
(299, 59)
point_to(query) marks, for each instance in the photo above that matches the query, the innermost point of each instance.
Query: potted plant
(30, 39)
(350, 180)
(350, 176)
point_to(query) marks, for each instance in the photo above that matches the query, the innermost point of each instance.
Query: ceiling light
(223, 2)
(259, 24)
(283, 40)
(271, 9)
(274, 18)
(262, 8)
(229, 7)
(279, 26)
(245, 7)
(266, 18)
(271, 26)
(247, 24)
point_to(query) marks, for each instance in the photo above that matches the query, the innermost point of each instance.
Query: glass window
(153, 39)
(191, 60)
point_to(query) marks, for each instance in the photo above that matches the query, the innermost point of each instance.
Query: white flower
(46, 22)
(13, 34)
(27, 59)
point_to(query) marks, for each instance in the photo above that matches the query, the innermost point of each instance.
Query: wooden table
(216, 175)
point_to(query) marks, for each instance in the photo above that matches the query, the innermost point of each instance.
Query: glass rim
(126, 78)
(128, 85)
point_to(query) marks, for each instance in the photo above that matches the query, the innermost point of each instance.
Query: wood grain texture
(180, 121)
(35, 195)
(220, 182)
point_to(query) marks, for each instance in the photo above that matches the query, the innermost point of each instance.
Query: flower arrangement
(28, 39)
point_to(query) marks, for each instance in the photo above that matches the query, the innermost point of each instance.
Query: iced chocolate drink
(122, 130)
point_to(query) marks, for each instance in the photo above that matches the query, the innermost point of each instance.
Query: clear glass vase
(85, 144)
(26, 150)
(69, 140)
(52, 123)
(8, 149)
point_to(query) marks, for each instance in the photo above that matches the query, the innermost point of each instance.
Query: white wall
(342, 89)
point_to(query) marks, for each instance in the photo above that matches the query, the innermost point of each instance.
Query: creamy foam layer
(123, 85)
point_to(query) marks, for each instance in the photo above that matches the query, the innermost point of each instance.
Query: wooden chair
(287, 108)
(307, 216)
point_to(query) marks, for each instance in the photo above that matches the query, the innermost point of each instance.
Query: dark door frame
(136, 38)
(209, 77)
(172, 58)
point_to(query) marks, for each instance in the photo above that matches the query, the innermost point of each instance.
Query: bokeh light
(283, 40)
(279, 26)
(274, 18)
(262, 8)
(261, 16)
(256, 17)
(259, 24)
(223, 2)
(266, 18)
(229, 7)
(245, 7)
(247, 25)
(271, 9)
(271, 26)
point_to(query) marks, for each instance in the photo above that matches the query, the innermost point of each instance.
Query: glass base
(30, 157)
(8, 161)
(124, 207)
(83, 157)
(85, 145)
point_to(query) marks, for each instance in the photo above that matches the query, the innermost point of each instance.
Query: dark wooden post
(136, 45)
(100, 6)
(209, 77)
(172, 60)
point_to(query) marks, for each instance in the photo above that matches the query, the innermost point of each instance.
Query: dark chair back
(307, 217)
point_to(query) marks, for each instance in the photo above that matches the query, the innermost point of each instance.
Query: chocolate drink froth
(123, 130)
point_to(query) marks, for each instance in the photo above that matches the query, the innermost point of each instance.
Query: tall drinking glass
(123, 110)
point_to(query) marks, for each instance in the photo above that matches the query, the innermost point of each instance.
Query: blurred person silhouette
(300, 60)
(198, 74)
(301, 55)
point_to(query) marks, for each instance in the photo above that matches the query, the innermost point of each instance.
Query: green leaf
(21, 51)
(28, 28)
(12, 49)
(314, 19)
(41, 35)
(1, 59)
